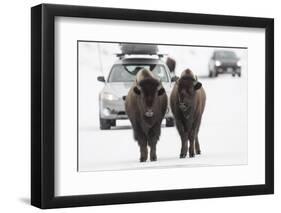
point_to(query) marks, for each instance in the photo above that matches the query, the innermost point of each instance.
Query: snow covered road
(223, 135)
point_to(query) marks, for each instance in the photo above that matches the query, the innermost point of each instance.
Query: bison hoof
(182, 155)
(191, 155)
(142, 159)
(153, 158)
(198, 152)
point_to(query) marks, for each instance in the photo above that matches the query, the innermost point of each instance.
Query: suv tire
(170, 122)
(105, 124)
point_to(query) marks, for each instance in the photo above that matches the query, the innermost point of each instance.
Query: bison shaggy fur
(187, 102)
(146, 105)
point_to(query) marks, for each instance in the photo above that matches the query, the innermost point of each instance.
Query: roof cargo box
(141, 49)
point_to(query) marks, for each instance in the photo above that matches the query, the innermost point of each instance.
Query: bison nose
(183, 105)
(149, 113)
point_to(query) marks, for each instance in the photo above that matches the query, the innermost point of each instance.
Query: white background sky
(15, 107)
(99, 57)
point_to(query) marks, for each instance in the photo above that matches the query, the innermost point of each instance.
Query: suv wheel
(170, 122)
(211, 74)
(216, 74)
(105, 124)
(113, 123)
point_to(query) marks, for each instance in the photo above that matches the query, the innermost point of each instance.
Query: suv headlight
(109, 96)
(217, 63)
(238, 63)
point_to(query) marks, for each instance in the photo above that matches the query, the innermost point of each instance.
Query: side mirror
(174, 78)
(101, 79)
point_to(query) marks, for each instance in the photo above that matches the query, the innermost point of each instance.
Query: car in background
(120, 80)
(224, 61)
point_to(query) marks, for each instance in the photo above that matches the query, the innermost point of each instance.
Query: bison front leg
(183, 145)
(142, 142)
(184, 138)
(191, 146)
(153, 137)
(143, 153)
(197, 146)
(153, 156)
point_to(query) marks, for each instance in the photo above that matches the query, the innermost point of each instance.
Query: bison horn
(195, 80)
(197, 85)
(160, 90)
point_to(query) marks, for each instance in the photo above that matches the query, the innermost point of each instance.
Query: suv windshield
(127, 72)
(225, 54)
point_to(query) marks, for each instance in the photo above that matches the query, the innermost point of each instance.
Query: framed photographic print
(139, 106)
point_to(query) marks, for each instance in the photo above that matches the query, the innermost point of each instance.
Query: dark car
(224, 61)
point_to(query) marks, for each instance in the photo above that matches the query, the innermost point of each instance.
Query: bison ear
(137, 90)
(198, 85)
(161, 91)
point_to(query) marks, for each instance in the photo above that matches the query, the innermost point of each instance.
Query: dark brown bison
(187, 104)
(146, 105)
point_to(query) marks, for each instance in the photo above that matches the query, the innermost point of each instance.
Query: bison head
(187, 86)
(149, 90)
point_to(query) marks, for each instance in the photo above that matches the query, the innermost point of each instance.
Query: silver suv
(119, 81)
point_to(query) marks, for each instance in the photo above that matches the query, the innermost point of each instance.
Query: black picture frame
(43, 113)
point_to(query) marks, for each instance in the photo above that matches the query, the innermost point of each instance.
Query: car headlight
(109, 96)
(217, 63)
(239, 63)
(106, 112)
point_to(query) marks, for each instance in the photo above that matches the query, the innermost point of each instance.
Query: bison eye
(137, 90)
(161, 91)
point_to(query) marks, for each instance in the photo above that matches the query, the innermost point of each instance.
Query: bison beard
(142, 105)
(187, 104)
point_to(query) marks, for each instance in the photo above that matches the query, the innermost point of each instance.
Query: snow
(223, 132)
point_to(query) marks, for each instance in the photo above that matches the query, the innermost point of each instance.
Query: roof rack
(123, 55)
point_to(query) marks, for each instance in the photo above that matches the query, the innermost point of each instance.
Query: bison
(187, 102)
(146, 105)
(171, 63)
